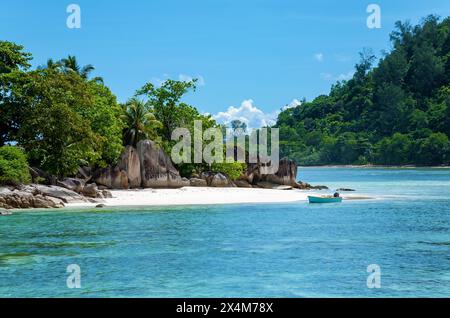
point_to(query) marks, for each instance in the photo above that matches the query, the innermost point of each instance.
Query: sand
(198, 196)
(206, 196)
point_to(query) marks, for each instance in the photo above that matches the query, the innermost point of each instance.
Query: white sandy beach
(198, 196)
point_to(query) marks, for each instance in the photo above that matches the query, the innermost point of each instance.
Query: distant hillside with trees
(395, 113)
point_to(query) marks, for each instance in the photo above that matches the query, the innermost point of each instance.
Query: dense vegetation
(58, 118)
(395, 113)
(13, 166)
(62, 119)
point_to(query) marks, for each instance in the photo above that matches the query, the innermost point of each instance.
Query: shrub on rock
(13, 166)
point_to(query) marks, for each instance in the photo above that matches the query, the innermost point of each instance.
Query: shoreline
(191, 196)
(62, 198)
(196, 196)
(378, 166)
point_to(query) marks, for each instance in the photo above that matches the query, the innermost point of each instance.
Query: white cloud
(247, 113)
(326, 76)
(182, 77)
(345, 77)
(294, 103)
(340, 77)
(158, 81)
(318, 57)
(188, 78)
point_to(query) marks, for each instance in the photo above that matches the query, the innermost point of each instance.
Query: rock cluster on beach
(286, 175)
(146, 166)
(43, 196)
(157, 170)
(284, 179)
(19, 199)
(35, 196)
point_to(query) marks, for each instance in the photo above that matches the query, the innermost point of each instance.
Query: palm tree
(237, 124)
(140, 122)
(70, 64)
(51, 65)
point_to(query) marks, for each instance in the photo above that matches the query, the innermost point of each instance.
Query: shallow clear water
(266, 250)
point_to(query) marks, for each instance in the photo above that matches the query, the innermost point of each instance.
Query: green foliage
(232, 170)
(13, 166)
(12, 57)
(394, 150)
(165, 102)
(13, 83)
(395, 113)
(104, 114)
(237, 124)
(188, 115)
(60, 118)
(140, 122)
(63, 119)
(70, 64)
(433, 149)
(166, 105)
(55, 133)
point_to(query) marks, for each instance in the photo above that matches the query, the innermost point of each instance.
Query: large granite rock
(266, 185)
(242, 184)
(73, 184)
(26, 198)
(207, 176)
(65, 195)
(91, 191)
(148, 166)
(157, 170)
(84, 173)
(102, 177)
(185, 182)
(219, 180)
(119, 179)
(112, 177)
(106, 194)
(126, 174)
(130, 164)
(197, 182)
(252, 174)
(40, 176)
(286, 174)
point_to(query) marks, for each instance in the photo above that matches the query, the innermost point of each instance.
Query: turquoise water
(266, 250)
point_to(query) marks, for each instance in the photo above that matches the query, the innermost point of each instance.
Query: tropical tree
(237, 124)
(104, 116)
(55, 131)
(71, 64)
(165, 101)
(52, 65)
(13, 166)
(140, 122)
(61, 120)
(14, 80)
(433, 149)
(394, 113)
(12, 57)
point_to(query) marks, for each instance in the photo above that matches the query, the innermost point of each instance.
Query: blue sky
(254, 55)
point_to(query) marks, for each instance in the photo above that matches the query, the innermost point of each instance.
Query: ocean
(244, 250)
